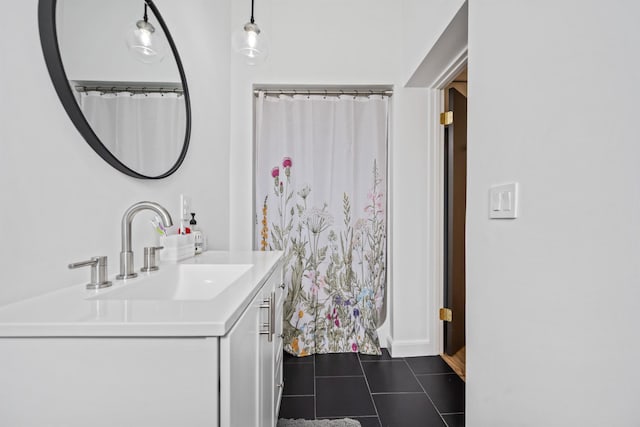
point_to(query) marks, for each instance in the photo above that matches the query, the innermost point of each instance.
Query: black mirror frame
(51, 51)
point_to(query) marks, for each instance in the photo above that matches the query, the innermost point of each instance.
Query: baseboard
(410, 348)
(384, 333)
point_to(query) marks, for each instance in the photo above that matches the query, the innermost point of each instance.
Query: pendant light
(144, 42)
(250, 42)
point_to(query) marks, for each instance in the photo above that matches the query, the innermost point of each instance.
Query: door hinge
(446, 118)
(446, 314)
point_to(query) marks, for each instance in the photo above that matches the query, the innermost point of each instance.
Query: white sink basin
(184, 282)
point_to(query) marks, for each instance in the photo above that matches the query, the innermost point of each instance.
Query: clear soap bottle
(197, 234)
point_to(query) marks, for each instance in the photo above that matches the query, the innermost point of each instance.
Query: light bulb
(252, 39)
(145, 37)
(250, 42)
(145, 43)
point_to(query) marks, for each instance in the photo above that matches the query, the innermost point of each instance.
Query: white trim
(446, 59)
(410, 348)
(450, 46)
(455, 67)
(435, 226)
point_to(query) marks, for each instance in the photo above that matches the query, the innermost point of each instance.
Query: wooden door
(455, 216)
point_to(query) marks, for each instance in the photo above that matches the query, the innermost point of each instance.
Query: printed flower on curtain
(301, 316)
(264, 232)
(336, 273)
(286, 164)
(314, 285)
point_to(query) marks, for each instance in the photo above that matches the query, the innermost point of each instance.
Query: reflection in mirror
(125, 82)
(141, 124)
(145, 42)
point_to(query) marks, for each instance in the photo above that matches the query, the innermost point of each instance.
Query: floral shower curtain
(320, 175)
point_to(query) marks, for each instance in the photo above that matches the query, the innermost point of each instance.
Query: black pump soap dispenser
(193, 222)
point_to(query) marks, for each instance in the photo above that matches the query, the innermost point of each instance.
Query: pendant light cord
(252, 20)
(146, 18)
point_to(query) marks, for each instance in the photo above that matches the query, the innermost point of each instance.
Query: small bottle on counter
(197, 234)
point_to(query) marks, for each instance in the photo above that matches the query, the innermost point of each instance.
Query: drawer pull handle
(265, 329)
(271, 324)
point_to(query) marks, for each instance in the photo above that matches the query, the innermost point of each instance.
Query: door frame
(457, 65)
(451, 218)
(444, 61)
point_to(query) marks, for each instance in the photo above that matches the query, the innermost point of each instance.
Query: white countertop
(75, 311)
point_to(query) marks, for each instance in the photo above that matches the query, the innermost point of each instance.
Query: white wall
(554, 296)
(60, 201)
(91, 36)
(423, 22)
(332, 43)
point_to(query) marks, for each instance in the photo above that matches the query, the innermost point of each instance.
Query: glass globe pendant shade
(251, 43)
(145, 43)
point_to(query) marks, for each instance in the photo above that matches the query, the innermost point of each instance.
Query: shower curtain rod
(132, 89)
(331, 92)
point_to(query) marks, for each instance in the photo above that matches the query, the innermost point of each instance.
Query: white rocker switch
(503, 201)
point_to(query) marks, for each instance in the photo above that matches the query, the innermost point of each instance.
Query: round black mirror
(118, 75)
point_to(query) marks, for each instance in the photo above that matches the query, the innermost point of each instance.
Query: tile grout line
(425, 392)
(339, 376)
(369, 388)
(299, 360)
(437, 373)
(398, 392)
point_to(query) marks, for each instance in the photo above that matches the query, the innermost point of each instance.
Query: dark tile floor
(378, 391)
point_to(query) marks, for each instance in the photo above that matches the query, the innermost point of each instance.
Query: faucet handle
(150, 259)
(98, 266)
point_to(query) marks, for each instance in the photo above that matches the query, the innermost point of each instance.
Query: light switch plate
(503, 201)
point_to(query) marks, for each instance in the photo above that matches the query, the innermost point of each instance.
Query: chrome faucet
(126, 255)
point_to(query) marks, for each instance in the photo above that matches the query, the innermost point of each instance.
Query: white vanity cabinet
(251, 361)
(143, 363)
